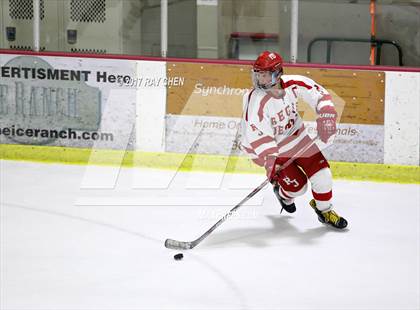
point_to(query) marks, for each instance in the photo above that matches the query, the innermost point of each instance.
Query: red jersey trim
(259, 161)
(261, 141)
(248, 150)
(247, 106)
(293, 82)
(269, 151)
(262, 105)
(292, 137)
(325, 98)
(306, 140)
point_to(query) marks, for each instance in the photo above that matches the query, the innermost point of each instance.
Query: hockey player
(273, 132)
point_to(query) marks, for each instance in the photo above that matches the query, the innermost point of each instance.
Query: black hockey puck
(178, 256)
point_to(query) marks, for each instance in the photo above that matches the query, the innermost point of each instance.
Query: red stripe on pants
(322, 196)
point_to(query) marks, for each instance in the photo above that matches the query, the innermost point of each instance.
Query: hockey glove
(326, 123)
(272, 168)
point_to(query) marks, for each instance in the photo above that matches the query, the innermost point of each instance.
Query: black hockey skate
(290, 208)
(329, 217)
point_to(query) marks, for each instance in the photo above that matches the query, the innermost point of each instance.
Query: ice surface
(67, 244)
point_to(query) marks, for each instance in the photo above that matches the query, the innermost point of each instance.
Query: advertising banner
(66, 101)
(203, 114)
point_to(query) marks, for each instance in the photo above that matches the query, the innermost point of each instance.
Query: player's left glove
(326, 123)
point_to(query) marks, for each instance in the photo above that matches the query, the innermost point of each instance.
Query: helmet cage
(275, 78)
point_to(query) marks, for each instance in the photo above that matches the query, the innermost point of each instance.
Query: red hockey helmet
(268, 61)
(267, 69)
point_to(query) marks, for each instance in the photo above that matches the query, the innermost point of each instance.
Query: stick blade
(178, 245)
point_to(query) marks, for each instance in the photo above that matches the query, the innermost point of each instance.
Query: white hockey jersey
(272, 126)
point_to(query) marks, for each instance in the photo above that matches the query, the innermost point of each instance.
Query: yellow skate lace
(332, 217)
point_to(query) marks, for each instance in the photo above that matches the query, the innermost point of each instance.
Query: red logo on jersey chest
(281, 116)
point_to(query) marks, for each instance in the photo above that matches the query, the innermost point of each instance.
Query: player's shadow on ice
(261, 237)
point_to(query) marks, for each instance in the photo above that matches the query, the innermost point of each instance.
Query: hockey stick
(187, 245)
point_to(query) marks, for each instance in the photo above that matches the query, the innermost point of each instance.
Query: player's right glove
(326, 123)
(272, 168)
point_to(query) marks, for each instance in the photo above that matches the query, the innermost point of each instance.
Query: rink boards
(185, 114)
